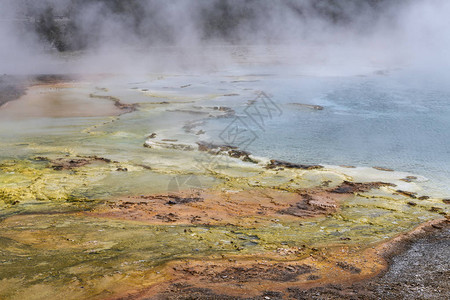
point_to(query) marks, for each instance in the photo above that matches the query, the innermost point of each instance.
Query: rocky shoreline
(416, 268)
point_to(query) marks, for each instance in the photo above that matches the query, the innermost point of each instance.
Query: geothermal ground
(115, 188)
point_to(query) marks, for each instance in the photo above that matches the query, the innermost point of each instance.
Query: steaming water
(398, 120)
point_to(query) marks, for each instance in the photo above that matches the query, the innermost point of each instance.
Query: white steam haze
(337, 37)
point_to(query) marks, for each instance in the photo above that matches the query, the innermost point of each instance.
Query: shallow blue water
(399, 120)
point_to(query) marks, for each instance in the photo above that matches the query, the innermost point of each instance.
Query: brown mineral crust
(231, 151)
(241, 208)
(311, 205)
(407, 194)
(250, 276)
(67, 163)
(277, 272)
(348, 187)
(127, 108)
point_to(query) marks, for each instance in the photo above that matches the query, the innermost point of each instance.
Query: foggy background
(63, 36)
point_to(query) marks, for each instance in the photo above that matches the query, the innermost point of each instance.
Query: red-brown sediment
(240, 208)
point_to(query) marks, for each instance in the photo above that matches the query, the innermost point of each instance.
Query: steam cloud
(52, 36)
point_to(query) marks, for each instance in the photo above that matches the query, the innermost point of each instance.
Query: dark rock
(348, 187)
(231, 151)
(173, 199)
(68, 164)
(435, 209)
(170, 217)
(407, 194)
(278, 163)
(144, 166)
(409, 178)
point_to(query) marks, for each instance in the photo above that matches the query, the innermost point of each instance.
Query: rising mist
(64, 36)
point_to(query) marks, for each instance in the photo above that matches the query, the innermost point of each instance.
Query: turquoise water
(398, 120)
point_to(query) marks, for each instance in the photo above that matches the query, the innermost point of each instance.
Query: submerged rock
(383, 169)
(311, 106)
